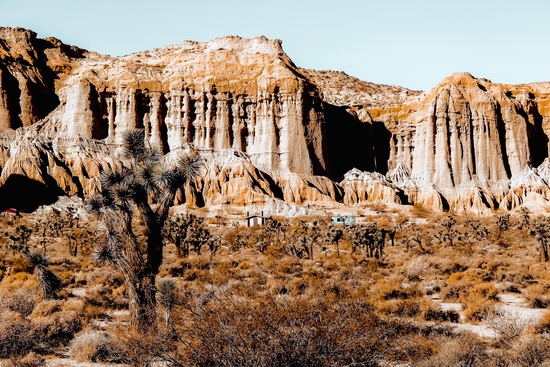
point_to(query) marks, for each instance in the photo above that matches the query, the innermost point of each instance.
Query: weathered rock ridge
(269, 129)
(470, 141)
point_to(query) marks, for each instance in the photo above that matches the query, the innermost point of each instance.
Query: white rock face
(372, 187)
(471, 141)
(270, 130)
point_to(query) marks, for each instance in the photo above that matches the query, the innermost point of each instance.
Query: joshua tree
(177, 230)
(197, 235)
(48, 282)
(166, 297)
(130, 191)
(334, 235)
(41, 226)
(391, 233)
(449, 232)
(310, 234)
(525, 218)
(476, 230)
(407, 241)
(24, 233)
(368, 236)
(503, 223)
(541, 230)
(239, 241)
(272, 229)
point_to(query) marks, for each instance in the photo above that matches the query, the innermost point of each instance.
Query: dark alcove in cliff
(25, 194)
(349, 142)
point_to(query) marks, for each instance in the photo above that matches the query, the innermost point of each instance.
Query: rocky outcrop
(470, 140)
(371, 187)
(269, 130)
(230, 93)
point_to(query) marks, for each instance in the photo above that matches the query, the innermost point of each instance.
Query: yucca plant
(48, 282)
(146, 187)
(334, 235)
(166, 297)
(540, 229)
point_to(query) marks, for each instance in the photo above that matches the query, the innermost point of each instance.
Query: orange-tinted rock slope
(269, 129)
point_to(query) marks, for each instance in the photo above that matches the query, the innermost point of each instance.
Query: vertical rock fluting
(472, 141)
(27, 91)
(230, 93)
(468, 145)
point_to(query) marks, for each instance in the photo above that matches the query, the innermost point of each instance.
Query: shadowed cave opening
(25, 194)
(349, 142)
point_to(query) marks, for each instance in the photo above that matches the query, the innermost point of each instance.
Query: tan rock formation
(230, 93)
(470, 139)
(270, 130)
(303, 189)
(371, 187)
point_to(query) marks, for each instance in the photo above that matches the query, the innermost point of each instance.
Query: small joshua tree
(476, 230)
(180, 230)
(197, 234)
(540, 229)
(369, 237)
(449, 232)
(525, 218)
(48, 282)
(310, 233)
(334, 235)
(503, 223)
(391, 233)
(166, 298)
(129, 192)
(24, 233)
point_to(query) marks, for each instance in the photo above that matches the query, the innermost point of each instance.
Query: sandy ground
(512, 305)
(66, 362)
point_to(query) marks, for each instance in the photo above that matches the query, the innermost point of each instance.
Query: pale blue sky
(412, 43)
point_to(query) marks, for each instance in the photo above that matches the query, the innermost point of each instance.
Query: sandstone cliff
(471, 141)
(270, 130)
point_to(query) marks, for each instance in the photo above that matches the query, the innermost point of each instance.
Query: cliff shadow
(381, 143)
(349, 142)
(100, 126)
(43, 93)
(25, 194)
(501, 128)
(10, 85)
(538, 140)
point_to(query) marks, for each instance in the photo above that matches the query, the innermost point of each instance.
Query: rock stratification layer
(469, 139)
(269, 129)
(230, 93)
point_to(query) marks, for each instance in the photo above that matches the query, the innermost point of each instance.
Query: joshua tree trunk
(141, 302)
(544, 250)
(127, 193)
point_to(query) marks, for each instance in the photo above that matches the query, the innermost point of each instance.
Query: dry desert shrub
(530, 351)
(54, 325)
(30, 360)
(479, 309)
(19, 280)
(94, 346)
(465, 350)
(273, 333)
(537, 295)
(543, 325)
(21, 300)
(432, 311)
(19, 335)
(224, 327)
(508, 325)
(478, 297)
